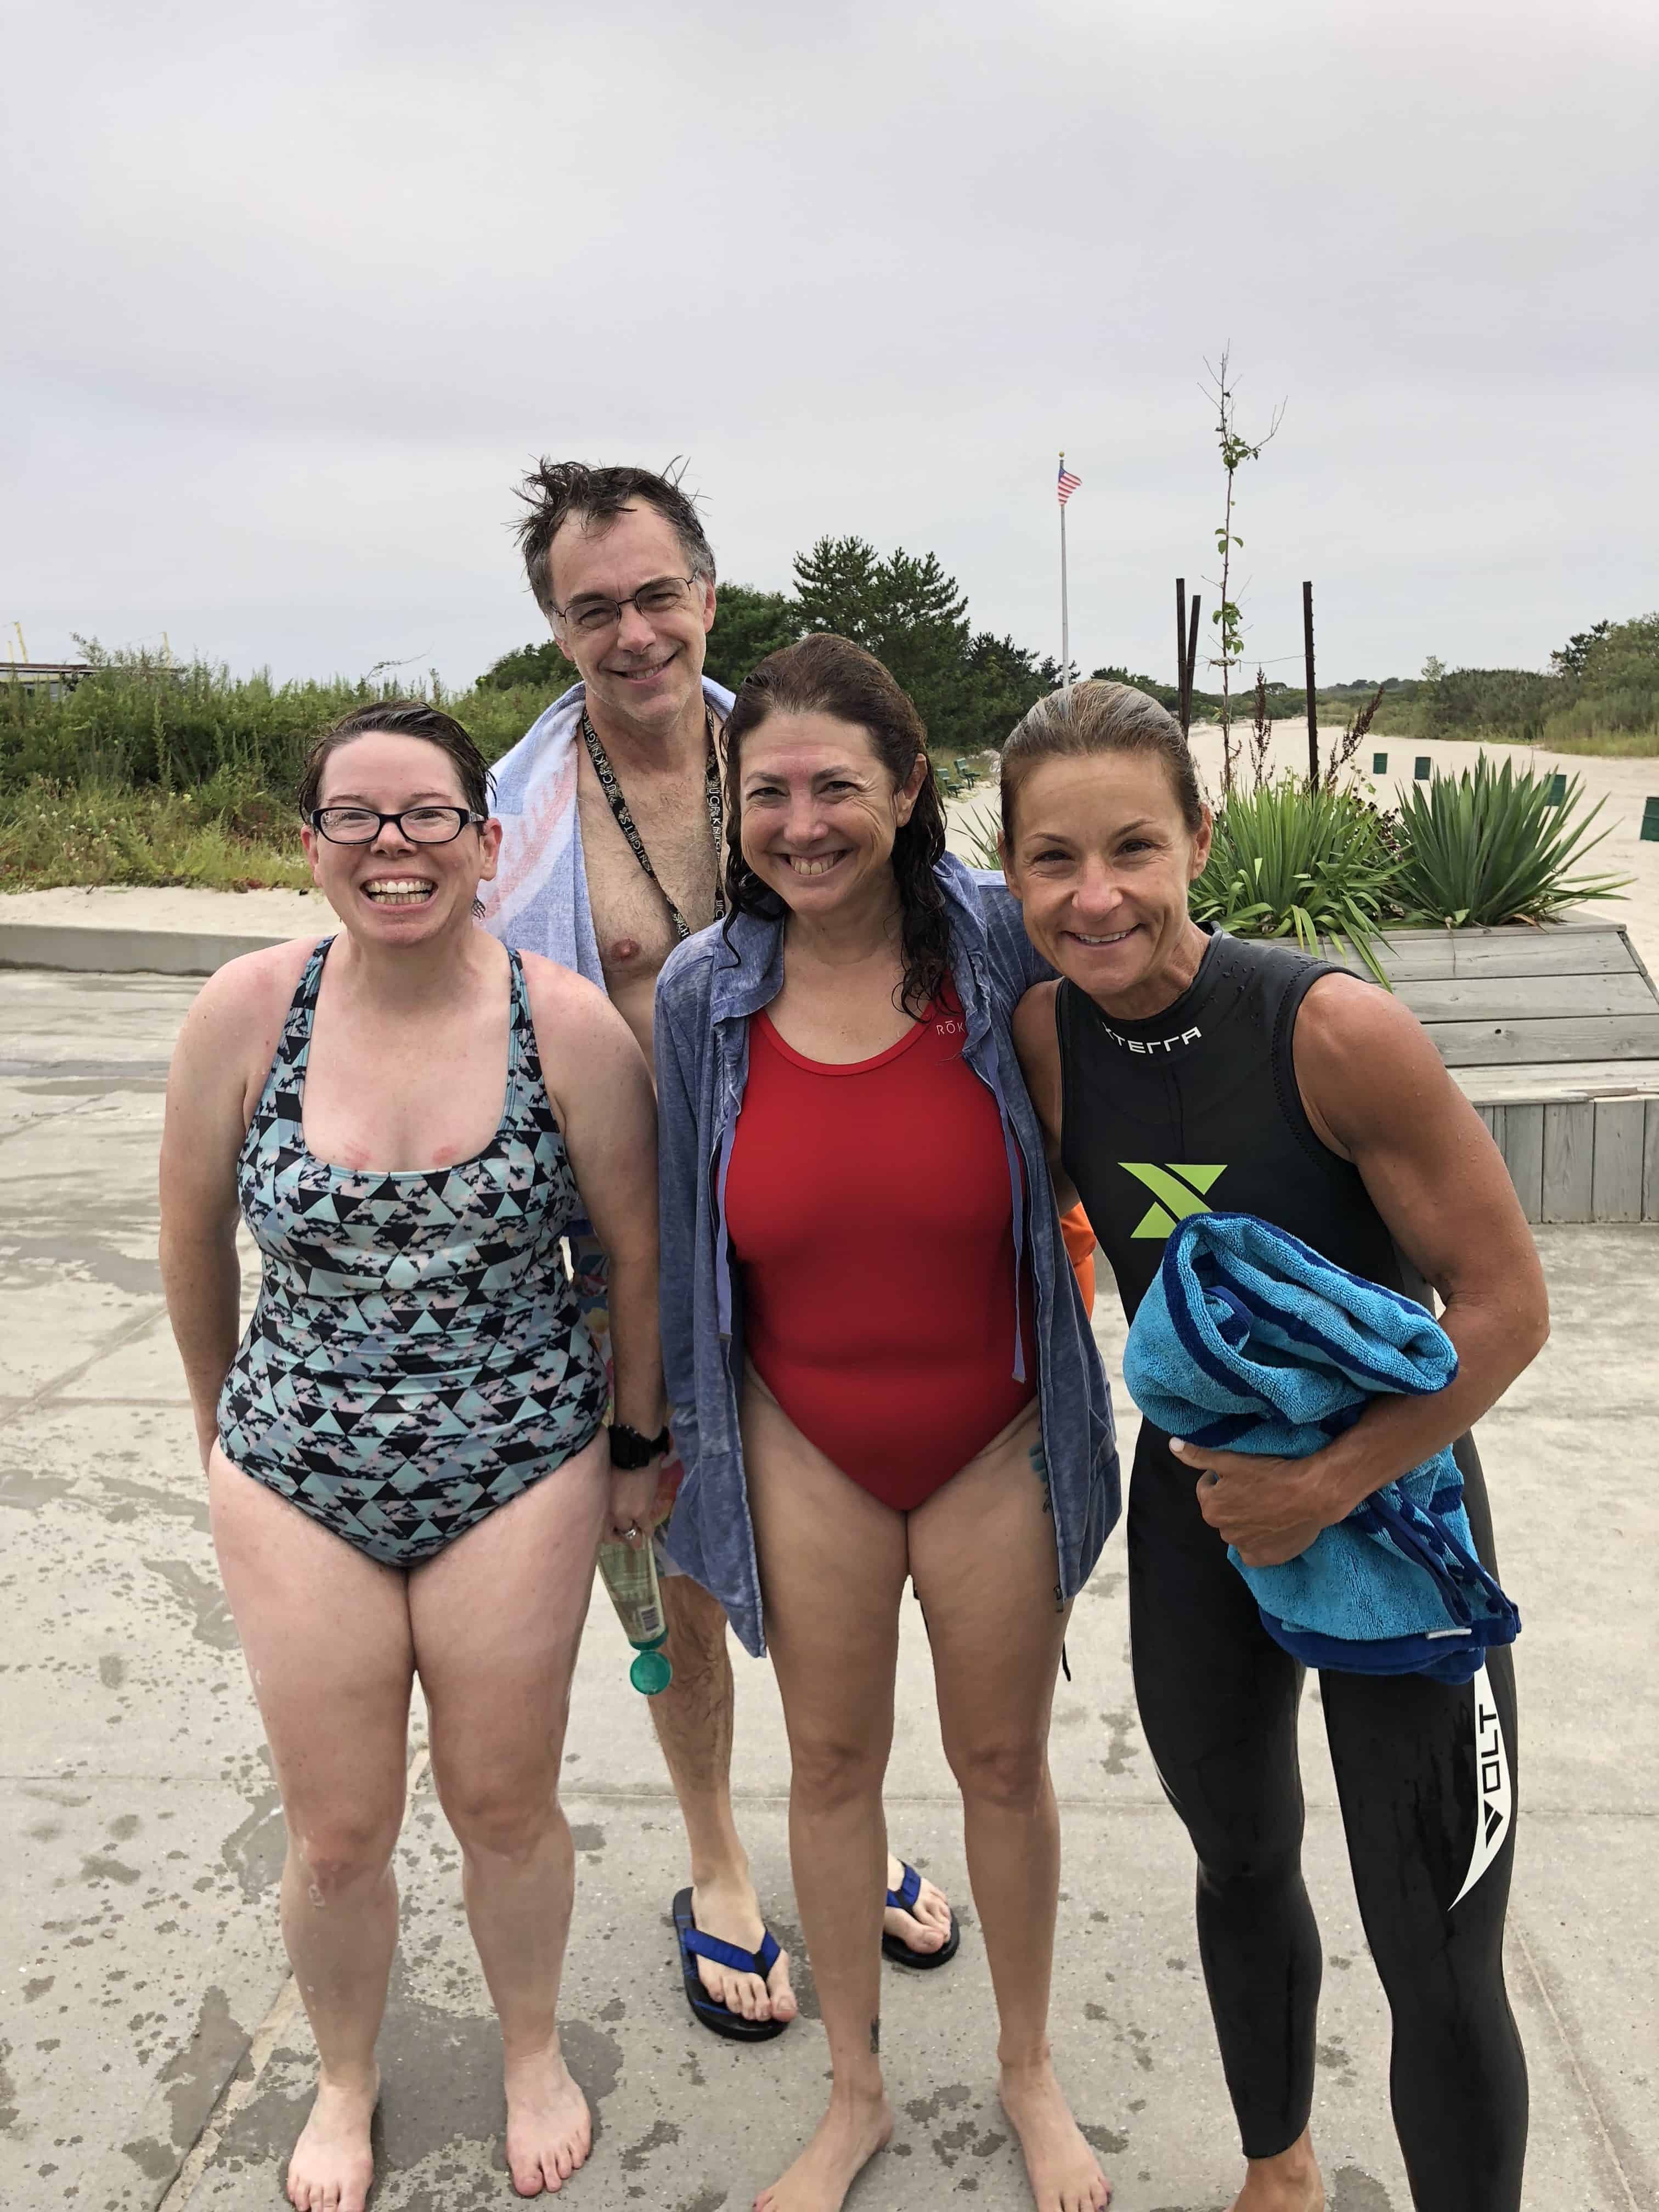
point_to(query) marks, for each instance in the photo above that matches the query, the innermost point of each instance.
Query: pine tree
(1005, 680)
(748, 625)
(907, 612)
(839, 587)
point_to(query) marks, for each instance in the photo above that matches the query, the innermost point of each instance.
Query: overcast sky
(296, 292)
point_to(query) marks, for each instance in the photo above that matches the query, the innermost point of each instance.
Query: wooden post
(1192, 665)
(1181, 652)
(1312, 710)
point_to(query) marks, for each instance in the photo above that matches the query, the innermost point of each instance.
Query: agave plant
(1286, 861)
(979, 831)
(1488, 847)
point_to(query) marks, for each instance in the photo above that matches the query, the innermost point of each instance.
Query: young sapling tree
(1236, 449)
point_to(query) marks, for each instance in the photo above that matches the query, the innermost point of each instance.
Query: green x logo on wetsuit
(1178, 1197)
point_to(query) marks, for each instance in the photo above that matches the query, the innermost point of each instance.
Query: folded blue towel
(1248, 1342)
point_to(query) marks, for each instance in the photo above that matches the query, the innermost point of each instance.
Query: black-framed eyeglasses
(593, 616)
(421, 825)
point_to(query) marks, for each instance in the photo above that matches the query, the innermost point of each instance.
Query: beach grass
(98, 833)
(147, 773)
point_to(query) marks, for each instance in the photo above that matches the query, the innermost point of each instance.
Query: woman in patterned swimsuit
(408, 1470)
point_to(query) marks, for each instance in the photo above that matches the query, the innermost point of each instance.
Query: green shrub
(748, 625)
(1624, 655)
(1601, 697)
(1614, 676)
(1286, 861)
(496, 719)
(1589, 727)
(1467, 703)
(1394, 717)
(1487, 847)
(227, 836)
(539, 664)
(136, 723)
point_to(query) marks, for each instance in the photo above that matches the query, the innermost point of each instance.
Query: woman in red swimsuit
(896, 1379)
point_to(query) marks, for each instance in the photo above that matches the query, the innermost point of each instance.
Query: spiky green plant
(1487, 847)
(1286, 861)
(979, 831)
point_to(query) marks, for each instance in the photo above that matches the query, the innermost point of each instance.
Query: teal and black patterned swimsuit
(417, 1356)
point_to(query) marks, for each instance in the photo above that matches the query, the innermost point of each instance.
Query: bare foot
(549, 2132)
(847, 2138)
(332, 2164)
(927, 1929)
(731, 1911)
(1064, 2174)
(1289, 2183)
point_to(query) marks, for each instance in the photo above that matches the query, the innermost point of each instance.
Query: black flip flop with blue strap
(903, 1900)
(720, 2019)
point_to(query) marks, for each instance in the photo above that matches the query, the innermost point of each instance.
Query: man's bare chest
(631, 918)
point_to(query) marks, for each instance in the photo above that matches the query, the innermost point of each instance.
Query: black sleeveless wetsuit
(1162, 1118)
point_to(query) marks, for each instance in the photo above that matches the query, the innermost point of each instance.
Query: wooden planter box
(1554, 1034)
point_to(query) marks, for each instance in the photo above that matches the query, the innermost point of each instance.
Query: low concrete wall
(1574, 1152)
(117, 951)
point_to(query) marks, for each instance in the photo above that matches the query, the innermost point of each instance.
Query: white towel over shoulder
(539, 900)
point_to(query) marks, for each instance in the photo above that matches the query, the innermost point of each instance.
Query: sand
(117, 906)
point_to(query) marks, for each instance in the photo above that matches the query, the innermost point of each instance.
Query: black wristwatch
(630, 1451)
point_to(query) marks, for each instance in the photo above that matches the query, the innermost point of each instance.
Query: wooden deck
(1554, 1034)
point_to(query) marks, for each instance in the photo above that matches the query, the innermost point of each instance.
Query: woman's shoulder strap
(303, 1005)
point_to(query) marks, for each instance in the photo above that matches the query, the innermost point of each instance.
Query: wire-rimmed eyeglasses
(590, 615)
(421, 825)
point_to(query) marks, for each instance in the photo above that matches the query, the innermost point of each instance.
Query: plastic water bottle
(630, 1577)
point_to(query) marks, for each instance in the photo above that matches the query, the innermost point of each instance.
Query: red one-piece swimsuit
(869, 1207)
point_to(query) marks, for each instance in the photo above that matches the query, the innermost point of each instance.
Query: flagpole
(1064, 610)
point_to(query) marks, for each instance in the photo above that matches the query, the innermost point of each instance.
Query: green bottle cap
(650, 1673)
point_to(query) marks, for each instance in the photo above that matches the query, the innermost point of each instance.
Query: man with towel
(612, 853)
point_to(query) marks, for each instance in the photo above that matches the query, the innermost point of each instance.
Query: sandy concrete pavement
(152, 2051)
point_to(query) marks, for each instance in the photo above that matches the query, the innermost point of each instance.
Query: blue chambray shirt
(707, 992)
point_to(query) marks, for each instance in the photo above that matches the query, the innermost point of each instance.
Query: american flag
(1069, 483)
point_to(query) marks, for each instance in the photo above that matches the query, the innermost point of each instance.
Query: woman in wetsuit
(1176, 1068)
(408, 1470)
(879, 1361)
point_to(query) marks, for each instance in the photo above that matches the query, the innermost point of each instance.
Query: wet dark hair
(1098, 717)
(554, 491)
(828, 675)
(400, 718)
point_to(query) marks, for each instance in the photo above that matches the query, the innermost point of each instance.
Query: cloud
(305, 289)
